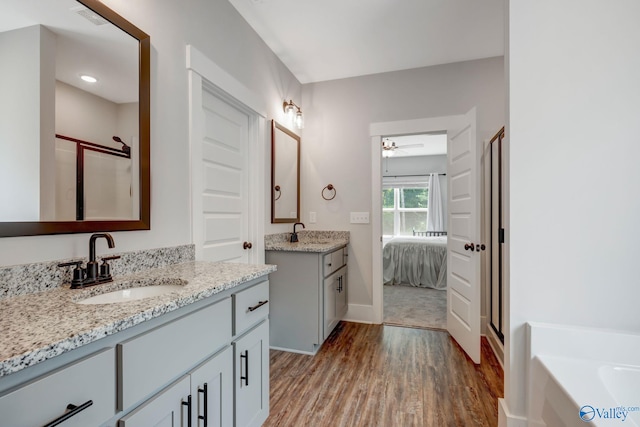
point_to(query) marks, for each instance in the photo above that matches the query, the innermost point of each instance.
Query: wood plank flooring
(375, 375)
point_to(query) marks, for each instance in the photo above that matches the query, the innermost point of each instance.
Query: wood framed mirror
(285, 175)
(70, 166)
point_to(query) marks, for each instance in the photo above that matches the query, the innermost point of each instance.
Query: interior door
(224, 177)
(463, 243)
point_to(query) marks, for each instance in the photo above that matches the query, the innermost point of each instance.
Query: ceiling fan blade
(411, 146)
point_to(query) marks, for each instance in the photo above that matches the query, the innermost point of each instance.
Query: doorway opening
(414, 190)
(463, 216)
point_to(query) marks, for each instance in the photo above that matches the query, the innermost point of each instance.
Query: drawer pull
(245, 356)
(204, 417)
(257, 306)
(188, 405)
(71, 411)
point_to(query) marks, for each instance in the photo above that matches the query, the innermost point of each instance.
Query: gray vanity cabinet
(308, 297)
(164, 409)
(92, 379)
(335, 299)
(251, 355)
(210, 388)
(251, 378)
(146, 375)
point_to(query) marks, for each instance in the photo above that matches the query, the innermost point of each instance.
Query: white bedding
(417, 261)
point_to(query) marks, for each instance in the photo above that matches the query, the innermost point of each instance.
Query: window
(404, 209)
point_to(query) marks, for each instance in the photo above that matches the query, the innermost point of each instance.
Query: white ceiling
(322, 40)
(104, 51)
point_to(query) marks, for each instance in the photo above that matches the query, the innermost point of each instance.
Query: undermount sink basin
(134, 293)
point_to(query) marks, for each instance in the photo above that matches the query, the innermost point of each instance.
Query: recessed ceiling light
(88, 78)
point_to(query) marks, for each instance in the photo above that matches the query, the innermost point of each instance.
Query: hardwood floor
(375, 375)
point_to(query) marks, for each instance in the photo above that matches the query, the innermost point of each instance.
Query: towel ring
(277, 188)
(329, 187)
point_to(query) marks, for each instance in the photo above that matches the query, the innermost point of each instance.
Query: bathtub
(574, 387)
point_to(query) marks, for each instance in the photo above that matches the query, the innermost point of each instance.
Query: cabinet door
(212, 391)
(341, 295)
(164, 410)
(251, 365)
(331, 285)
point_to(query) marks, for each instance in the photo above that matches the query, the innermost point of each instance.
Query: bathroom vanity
(198, 353)
(309, 289)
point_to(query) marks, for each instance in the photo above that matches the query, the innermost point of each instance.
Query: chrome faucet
(294, 235)
(90, 275)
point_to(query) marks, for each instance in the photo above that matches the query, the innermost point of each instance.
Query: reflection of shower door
(497, 238)
(104, 192)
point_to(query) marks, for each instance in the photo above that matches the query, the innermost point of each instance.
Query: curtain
(435, 217)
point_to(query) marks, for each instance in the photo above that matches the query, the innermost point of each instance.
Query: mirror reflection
(73, 126)
(285, 175)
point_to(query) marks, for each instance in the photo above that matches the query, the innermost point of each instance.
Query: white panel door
(224, 175)
(463, 260)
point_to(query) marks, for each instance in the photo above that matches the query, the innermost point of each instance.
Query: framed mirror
(285, 175)
(75, 155)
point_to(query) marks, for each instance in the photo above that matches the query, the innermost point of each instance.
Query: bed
(419, 260)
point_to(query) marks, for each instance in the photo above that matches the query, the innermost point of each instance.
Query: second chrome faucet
(92, 274)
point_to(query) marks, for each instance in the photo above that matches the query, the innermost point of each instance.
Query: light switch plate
(312, 217)
(359, 217)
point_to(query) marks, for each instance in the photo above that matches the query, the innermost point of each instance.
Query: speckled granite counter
(38, 326)
(308, 241)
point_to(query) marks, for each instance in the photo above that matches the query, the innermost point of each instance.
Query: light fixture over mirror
(54, 133)
(293, 113)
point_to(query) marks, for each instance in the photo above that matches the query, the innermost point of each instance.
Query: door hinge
(501, 235)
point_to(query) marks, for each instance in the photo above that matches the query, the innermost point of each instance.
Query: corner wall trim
(506, 419)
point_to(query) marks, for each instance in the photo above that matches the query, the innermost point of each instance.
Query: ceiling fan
(389, 147)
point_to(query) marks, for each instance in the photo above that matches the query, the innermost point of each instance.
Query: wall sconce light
(293, 114)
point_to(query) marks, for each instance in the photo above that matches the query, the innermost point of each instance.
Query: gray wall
(336, 140)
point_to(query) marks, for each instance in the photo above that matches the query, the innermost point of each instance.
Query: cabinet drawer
(333, 261)
(250, 306)
(151, 360)
(45, 399)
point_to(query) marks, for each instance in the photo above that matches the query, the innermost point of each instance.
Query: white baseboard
(359, 313)
(506, 419)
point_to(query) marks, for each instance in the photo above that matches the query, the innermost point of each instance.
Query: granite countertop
(38, 326)
(308, 241)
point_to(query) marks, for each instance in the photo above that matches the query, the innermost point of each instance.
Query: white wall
(336, 141)
(414, 165)
(22, 77)
(217, 30)
(574, 148)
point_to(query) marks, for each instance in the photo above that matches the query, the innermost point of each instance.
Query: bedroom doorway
(463, 210)
(413, 205)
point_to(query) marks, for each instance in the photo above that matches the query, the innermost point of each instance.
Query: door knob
(469, 246)
(246, 245)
